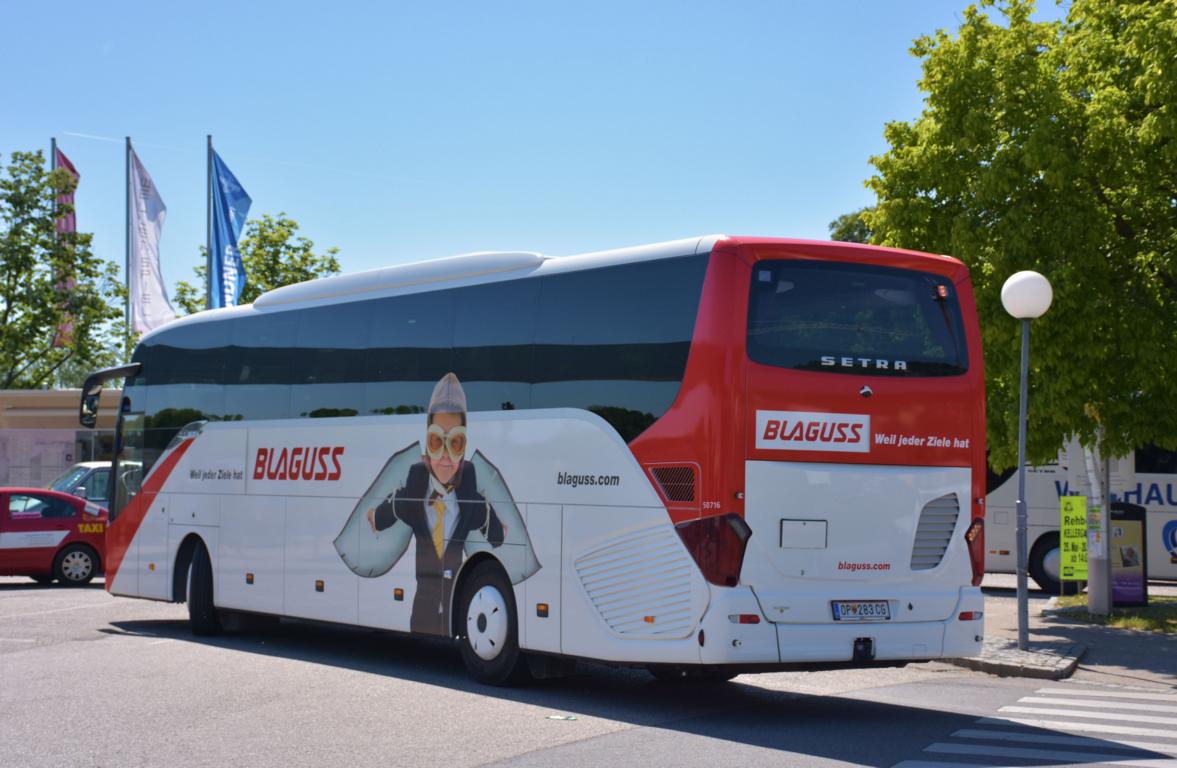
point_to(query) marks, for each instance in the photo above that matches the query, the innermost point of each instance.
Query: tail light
(974, 538)
(717, 544)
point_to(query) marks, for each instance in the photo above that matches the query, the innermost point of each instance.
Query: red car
(50, 535)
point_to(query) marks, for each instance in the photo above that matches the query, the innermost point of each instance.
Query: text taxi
(50, 535)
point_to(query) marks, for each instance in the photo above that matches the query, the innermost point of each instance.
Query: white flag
(150, 307)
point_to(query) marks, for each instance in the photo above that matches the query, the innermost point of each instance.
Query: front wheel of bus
(202, 613)
(489, 633)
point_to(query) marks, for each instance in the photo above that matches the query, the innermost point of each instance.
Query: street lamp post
(1026, 295)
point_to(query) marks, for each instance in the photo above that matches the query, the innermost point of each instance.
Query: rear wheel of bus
(488, 627)
(203, 616)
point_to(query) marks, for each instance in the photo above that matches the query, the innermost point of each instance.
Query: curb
(1046, 661)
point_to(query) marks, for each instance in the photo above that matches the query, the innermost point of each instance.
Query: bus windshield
(839, 317)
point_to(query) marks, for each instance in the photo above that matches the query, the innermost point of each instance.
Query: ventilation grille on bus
(677, 483)
(641, 584)
(937, 522)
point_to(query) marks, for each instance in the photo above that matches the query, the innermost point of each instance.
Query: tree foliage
(60, 313)
(1053, 146)
(274, 255)
(850, 227)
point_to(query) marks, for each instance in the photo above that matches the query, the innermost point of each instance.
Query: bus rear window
(854, 318)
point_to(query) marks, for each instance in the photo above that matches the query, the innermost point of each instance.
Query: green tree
(850, 227)
(59, 309)
(1053, 146)
(274, 254)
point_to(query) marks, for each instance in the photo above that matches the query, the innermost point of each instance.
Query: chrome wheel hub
(486, 623)
(77, 566)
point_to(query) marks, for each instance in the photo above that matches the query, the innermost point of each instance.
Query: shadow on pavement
(1121, 653)
(25, 586)
(837, 728)
(1123, 656)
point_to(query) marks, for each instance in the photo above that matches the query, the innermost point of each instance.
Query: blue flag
(230, 206)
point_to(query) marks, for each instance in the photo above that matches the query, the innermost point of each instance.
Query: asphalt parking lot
(87, 679)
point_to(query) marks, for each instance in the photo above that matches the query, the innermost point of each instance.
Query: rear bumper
(765, 643)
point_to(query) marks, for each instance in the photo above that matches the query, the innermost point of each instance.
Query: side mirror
(80, 491)
(92, 391)
(88, 413)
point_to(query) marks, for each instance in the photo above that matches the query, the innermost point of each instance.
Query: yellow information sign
(1072, 533)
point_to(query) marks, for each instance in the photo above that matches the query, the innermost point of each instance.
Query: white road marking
(937, 764)
(1169, 750)
(51, 610)
(157, 642)
(1008, 740)
(1131, 718)
(1113, 704)
(1065, 725)
(18, 640)
(1110, 694)
(1057, 755)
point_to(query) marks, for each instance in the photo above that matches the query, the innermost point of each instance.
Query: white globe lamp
(1026, 295)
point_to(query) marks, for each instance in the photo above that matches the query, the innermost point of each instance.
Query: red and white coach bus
(706, 456)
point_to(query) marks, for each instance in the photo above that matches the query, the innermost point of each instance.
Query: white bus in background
(1148, 478)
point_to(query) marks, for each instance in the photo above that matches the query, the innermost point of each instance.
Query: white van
(88, 479)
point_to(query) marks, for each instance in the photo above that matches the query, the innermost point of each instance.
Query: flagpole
(127, 270)
(52, 168)
(208, 230)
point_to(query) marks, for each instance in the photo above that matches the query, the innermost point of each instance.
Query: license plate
(861, 610)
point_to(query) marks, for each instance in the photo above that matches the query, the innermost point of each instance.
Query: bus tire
(1044, 566)
(75, 565)
(488, 627)
(203, 616)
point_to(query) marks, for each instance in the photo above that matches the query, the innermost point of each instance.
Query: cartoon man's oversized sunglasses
(453, 442)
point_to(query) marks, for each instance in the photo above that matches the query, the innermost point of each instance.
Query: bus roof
(494, 266)
(449, 272)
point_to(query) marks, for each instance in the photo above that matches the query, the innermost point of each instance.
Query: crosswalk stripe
(1131, 718)
(1110, 694)
(1060, 755)
(939, 764)
(1070, 732)
(1169, 750)
(1112, 704)
(1067, 725)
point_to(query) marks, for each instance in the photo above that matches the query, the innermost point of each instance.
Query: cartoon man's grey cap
(448, 396)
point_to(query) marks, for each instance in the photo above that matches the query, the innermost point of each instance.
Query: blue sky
(405, 131)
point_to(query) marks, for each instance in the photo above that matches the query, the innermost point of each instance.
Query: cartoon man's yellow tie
(439, 526)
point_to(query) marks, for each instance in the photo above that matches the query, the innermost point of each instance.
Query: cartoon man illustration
(450, 505)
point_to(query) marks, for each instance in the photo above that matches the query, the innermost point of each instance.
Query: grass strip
(1160, 615)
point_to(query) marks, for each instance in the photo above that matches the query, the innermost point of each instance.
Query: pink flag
(66, 222)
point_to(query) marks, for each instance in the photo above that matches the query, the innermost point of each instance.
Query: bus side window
(410, 347)
(1151, 460)
(330, 363)
(994, 480)
(258, 369)
(494, 331)
(615, 340)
